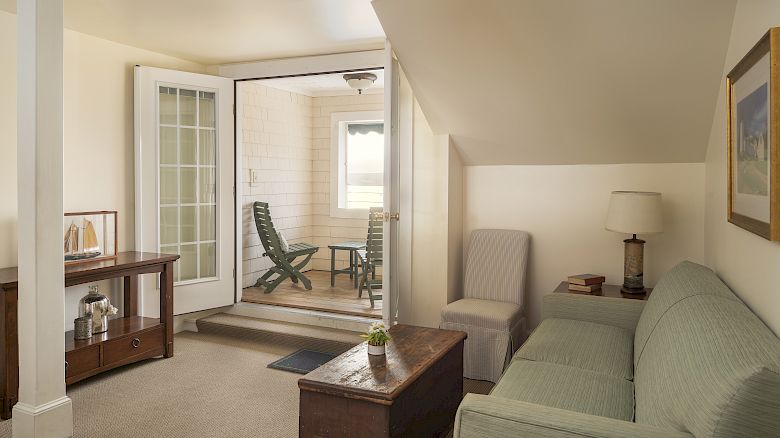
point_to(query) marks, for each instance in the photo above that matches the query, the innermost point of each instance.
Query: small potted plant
(377, 337)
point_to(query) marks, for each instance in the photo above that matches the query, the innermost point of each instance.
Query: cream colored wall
(749, 264)
(429, 223)
(454, 224)
(564, 207)
(8, 139)
(99, 163)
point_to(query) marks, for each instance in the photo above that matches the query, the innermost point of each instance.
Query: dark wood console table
(129, 338)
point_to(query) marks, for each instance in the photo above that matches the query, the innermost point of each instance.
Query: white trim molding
(368, 59)
(51, 419)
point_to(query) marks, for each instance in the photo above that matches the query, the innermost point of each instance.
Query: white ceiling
(217, 32)
(323, 85)
(564, 81)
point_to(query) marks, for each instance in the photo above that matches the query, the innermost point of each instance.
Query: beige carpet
(214, 386)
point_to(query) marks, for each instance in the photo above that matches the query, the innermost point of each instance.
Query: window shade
(365, 128)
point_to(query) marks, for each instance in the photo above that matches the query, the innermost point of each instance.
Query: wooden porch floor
(342, 298)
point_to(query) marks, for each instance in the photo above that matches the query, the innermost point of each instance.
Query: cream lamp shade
(635, 212)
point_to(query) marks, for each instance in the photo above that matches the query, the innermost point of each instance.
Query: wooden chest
(414, 390)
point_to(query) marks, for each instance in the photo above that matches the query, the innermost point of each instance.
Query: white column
(43, 409)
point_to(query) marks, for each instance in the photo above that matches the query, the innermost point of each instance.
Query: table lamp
(634, 213)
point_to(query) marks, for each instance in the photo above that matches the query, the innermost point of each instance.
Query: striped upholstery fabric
(712, 368)
(566, 387)
(596, 347)
(684, 281)
(491, 312)
(487, 351)
(494, 315)
(495, 265)
(615, 312)
(704, 366)
(481, 416)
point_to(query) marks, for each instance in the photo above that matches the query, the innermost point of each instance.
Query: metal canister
(82, 327)
(96, 305)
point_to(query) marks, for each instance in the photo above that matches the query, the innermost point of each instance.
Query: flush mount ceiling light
(360, 81)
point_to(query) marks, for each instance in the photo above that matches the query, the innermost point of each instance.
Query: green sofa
(692, 360)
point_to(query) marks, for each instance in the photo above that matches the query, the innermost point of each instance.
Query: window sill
(349, 213)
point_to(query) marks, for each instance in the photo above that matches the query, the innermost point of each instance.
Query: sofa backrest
(708, 365)
(495, 265)
(682, 282)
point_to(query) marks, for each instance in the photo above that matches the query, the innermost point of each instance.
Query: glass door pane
(187, 199)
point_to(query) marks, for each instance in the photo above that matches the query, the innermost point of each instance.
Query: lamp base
(633, 266)
(628, 290)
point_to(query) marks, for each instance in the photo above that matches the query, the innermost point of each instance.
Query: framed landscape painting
(753, 139)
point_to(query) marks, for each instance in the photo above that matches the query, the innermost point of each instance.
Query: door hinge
(234, 272)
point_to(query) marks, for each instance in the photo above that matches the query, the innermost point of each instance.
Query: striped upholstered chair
(491, 311)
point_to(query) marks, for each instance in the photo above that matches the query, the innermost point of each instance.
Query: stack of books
(586, 282)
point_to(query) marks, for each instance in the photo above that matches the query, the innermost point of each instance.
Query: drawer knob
(136, 342)
(66, 364)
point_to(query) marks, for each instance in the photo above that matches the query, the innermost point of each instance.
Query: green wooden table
(352, 269)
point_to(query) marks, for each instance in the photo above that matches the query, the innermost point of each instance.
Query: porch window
(357, 163)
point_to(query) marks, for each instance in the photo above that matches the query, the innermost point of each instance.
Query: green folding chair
(283, 261)
(371, 257)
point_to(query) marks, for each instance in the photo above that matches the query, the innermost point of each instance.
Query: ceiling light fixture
(360, 81)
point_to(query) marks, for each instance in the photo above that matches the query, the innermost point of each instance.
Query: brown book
(586, 279)
(581, 288)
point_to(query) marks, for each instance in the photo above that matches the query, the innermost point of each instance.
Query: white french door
(392, 204)
(184, 184)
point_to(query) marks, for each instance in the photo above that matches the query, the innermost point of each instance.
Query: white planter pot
(376, 350)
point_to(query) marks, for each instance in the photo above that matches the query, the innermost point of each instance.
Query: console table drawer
(81, 361)
(133, 345)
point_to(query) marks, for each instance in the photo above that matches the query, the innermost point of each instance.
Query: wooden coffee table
(414, 390)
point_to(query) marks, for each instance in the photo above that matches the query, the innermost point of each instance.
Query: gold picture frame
(753, 96)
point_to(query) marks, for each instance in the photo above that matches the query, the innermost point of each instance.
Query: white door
(184, 177)
(390, 237)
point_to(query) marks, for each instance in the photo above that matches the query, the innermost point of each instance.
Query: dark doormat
(302, 361)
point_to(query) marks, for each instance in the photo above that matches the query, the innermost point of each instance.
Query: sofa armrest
(483, 415)
(617, 312)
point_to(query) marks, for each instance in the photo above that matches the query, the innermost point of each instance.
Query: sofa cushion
(711, 368)
(601, 348)
(496, 315)
(682, 282)
(565, 387)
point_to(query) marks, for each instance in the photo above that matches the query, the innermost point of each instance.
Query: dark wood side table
(129, 338)
(414, 390)
(607, 290)
(352, 270)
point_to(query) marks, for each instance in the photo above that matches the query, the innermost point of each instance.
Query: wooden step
(303, 336)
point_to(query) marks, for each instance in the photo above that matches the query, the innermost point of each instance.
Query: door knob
(387, 216)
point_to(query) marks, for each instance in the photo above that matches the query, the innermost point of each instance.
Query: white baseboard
(49, 420)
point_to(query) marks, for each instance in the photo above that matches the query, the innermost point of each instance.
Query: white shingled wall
(327, 229)
(286, 141)
(277, 145)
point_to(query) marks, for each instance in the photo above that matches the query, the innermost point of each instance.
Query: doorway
(313, 148)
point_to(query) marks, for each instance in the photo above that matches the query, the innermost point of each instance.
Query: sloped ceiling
(565, 81)
(224, 31)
